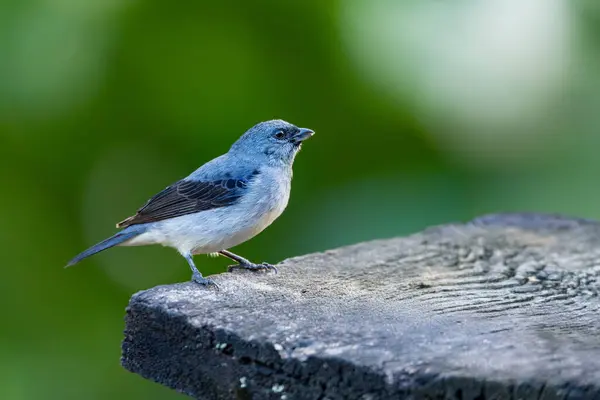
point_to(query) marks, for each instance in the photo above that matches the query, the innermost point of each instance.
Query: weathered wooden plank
(504, 307)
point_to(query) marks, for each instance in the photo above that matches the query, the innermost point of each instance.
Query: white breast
(265, 201)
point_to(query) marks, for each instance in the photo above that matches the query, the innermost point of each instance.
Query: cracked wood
(503, 307)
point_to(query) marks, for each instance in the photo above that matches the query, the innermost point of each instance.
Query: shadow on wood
(504, 307)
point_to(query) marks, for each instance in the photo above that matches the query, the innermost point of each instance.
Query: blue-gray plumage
(223, 203)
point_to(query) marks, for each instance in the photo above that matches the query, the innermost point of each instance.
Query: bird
(222, 204)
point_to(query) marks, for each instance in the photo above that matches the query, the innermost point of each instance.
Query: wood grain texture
(503, 307)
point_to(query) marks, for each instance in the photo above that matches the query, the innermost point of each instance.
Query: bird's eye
(279, 135)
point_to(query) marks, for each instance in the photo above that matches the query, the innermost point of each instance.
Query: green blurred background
(426, 112)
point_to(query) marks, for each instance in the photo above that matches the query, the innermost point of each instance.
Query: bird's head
(276, 141)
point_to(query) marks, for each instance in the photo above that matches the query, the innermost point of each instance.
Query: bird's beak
(302, 135)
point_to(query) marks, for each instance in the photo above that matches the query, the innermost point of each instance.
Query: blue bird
(225, 202)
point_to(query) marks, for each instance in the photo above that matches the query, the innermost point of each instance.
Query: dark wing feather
(188, 197)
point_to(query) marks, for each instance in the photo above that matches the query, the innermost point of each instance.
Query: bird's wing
(187, 197)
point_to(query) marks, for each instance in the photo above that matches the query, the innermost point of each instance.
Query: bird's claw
(253, 267)
(199, 279)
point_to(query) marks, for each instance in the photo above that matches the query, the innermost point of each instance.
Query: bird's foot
(253, 267)
(199, 279)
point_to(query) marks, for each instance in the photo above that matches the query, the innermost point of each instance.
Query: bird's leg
(245, 264)
(196, 275)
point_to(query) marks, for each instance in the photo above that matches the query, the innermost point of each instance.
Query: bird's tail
(118, 238)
